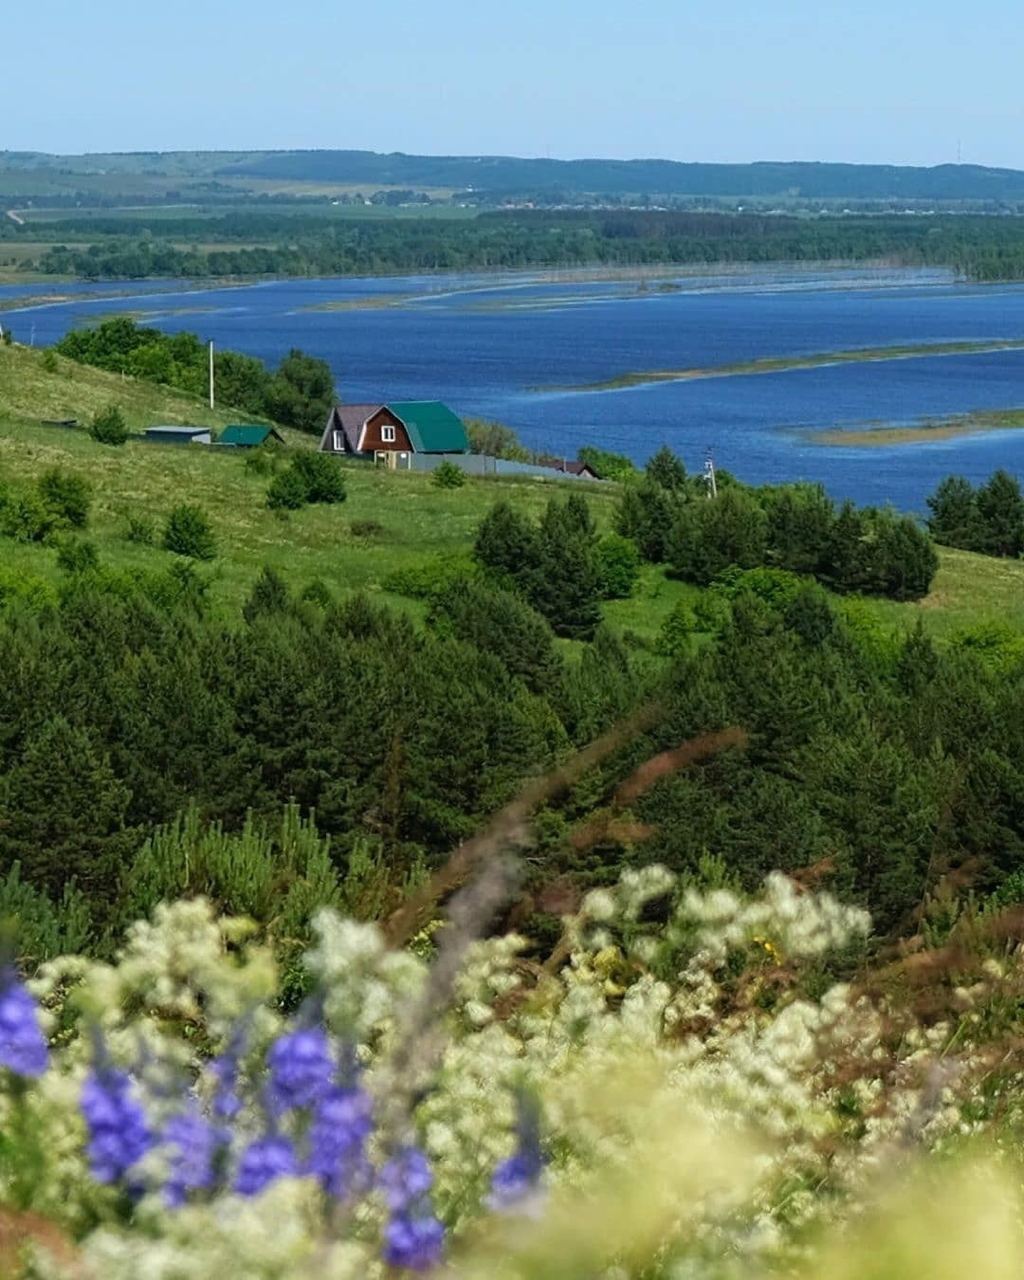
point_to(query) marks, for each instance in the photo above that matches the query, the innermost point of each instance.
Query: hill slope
(416, 523)
(503, 174)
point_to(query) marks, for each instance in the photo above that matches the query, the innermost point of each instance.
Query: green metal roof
(432, 426)
(245, 434)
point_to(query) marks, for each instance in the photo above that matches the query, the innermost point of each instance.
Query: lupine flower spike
(515, 1186)
(23, 1047)
(118, 1133)
(195, 1144)
(414, 1237)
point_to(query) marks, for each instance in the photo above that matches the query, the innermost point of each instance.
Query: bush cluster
(109, 426)
(300, 393)
(60, 500)
(188, 532)
(559, 565)
(988, 519)
(796, 527)
(310, 477)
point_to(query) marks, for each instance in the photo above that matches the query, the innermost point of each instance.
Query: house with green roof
(396, 429)
(249, 435)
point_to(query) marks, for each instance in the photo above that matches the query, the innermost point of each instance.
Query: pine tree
(1001, 513)
(65, 812)
(666, 470)
(709, 537)
(269, 594)
(954, 519)
(566, 587)
(507, 545)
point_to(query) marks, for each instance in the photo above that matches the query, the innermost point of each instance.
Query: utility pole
(211, 373)
(709, 475)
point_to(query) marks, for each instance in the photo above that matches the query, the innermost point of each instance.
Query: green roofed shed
(248, 435)
(431, 425)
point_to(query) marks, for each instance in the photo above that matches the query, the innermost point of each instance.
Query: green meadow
(413, 522)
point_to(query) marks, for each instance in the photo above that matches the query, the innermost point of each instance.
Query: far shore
(952, 428)
(789, 364)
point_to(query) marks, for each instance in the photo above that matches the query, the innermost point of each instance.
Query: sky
(873, 81)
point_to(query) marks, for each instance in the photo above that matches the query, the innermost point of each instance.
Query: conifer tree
(667, 470)
(65, 812)
(954, 519)
(1001, 513)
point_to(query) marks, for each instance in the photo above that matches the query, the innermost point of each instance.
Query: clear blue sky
(896, 81)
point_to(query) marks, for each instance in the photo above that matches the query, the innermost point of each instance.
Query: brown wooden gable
(380, 424)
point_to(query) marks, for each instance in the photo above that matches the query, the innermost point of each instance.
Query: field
(419, 523)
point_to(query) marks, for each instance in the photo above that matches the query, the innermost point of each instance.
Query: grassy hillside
(29, 393)
(418, 522)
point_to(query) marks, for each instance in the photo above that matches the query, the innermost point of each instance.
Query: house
(249, 436)
(404, 426)
(178, 435)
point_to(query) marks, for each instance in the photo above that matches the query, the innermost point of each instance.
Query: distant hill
(503, 175)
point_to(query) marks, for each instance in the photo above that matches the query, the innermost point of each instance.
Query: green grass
(419, 521)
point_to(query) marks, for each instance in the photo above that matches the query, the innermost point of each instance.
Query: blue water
(488, 345)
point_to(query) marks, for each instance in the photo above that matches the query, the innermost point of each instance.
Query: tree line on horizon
(982, 248)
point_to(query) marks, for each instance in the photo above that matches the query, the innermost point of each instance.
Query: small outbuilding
(243, 435)
(178, 435)
(581, 470)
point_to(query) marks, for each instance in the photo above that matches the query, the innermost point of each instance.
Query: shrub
(68, 496)
(322, 476)
(424, 580)
(75, 555)
(448, 476)
(188, 533)
(109, 426)
(25, 517)
(140, 530)
(8, 337)
(676, 632)
(710, 536)
(262, 462)
(287, 491)
(367, 529)
(618, 566)
(49, 360)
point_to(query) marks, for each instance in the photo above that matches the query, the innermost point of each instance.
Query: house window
(339, 442)
(387, 435)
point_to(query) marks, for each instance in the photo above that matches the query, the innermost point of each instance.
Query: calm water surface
(489, 345)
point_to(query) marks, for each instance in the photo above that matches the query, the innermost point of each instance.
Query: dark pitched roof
(431, 425)
(349, 418)
(569, 466)
(247, 435)
(176, 429)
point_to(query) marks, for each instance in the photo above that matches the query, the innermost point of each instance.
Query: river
(518, 348)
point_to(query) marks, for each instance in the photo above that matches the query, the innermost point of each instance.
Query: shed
(581, 470)
(431, 425)
(245, 435)
(178, 435)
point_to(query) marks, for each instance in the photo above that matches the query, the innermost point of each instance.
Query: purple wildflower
(226, 1103)
(301, 1069)
(406, 1178)
(341, 1124)
(23, 1047)
(515, 1186)
(263, 1162)
(413, 1238)
(196, 1143)
(413, 1243)
(118, 1133)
